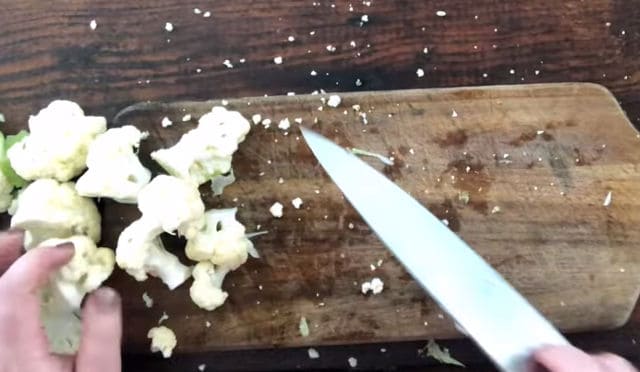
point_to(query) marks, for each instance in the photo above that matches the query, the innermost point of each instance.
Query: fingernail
(107, 298)
(65, 246)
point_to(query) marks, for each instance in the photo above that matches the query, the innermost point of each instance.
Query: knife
(498, 318)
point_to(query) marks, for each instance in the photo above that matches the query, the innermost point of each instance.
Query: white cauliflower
(62, 298)
(57, 144)
(174, 204)
(163, 339)
(114, 170)
(206, 290)
(222, 241)
(140, 253)
(6, 193)
(50, 209)
(205, 152)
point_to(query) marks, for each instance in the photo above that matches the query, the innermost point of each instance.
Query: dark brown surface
(47, 51)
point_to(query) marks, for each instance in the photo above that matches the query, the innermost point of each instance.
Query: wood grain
(553, 238)
(47, 51)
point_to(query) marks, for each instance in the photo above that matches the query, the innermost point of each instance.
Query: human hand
(571, 359)
(23, 343)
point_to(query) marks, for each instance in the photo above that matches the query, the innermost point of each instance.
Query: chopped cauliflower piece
(140, 253)
(206, 290)
(174, 204)
(62, 298)
(375, 286)
(205, 152)
(334, 100)
(57, 145)
(276, 210)
(148, 301)
(163, 339)
(50, 209)
(297, 203)
(114, 168)
(222, 241)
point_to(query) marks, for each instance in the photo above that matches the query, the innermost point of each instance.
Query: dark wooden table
(48, 51)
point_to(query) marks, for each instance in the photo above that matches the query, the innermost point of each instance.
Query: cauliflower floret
(57, 144)
(174, 204)
(222, 241)
(114, 170)
(163, 339)
(6, 193)
(205, 152)
(50, 209)
(206, 290)
(62, 298)
(140, 253)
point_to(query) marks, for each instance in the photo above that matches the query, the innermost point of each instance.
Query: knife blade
(498, 318)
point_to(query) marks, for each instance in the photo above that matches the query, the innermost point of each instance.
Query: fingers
(569, 358)
(10, 247)
(32, 270)
(612, 362)
(101, 333)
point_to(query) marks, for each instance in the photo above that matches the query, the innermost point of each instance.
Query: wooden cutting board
(545, 155)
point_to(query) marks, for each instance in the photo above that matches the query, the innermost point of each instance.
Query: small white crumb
(207, 14)
(379, 263)
(224, 102)
(197, 11)
(291, 94)
(93, 24)
(420, 72)
(291, 38)
(454, 113)
(284, 124)
(364, 19)
(358, 82)
(313, 353)
(202, 367)
(256, 118)
(376, 285)
(163, 317)
(334, 100)
(187, 117)
(441, 13)
(280, 180)
(242, 60)
(297, 202)
(313, 73)
(276, 210)
(331, 48)
(512, 71)
(277, 60)
(495, 210)
(148, 301)
(363, 117)
(227, 63)
(383, 350)
(353, 362)
(350, 226)
(207, 324)
(540, 132)
(445, 221)
(425, 50)
(298, 120)
(607, 199)
(537, 72)
(166, 122)
(266, 122)
(168, 26)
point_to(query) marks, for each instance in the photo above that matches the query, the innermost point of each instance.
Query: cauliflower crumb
(284, 124)
(186, 118)
(376, 285)
(277, 60)
(420, 72)
(207, 14)
(364, 19)
(148, 301)
(166, 122)
(353, 362)
(163, 317)
(163, 339)
(297, 202)
(313, 73)
(197, 11)
(495, 210)
(331, 48)
(313, 353)
(227, 63)
(291, 38)
(607, 199)
(93, 24)
(276, 210)
(454, 114)
(334, 100)
(202, 367)
(441, 13)
(168, 26)
(256, 118)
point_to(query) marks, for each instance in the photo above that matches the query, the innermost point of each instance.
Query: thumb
(101, 333)
(32, 270)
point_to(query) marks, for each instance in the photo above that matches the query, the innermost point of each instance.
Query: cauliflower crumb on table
(163, 340)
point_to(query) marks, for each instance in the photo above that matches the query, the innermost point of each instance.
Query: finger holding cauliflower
(57, 145)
